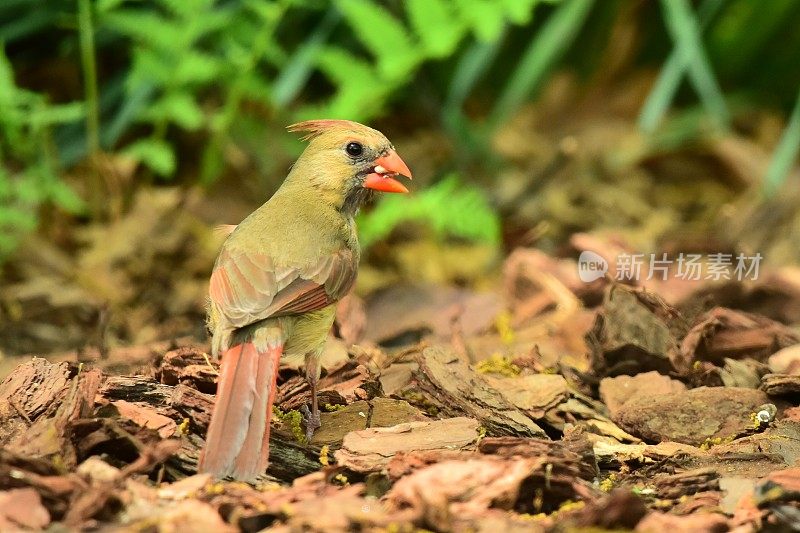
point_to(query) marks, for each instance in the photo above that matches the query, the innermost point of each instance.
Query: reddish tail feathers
(237, 443)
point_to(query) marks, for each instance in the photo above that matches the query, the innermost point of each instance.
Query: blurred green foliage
(29, 172)
(450, 208)
(171, 84)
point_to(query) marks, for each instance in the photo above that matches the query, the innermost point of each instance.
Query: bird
(277, 279)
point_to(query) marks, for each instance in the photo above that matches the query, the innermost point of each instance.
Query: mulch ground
(564, 406)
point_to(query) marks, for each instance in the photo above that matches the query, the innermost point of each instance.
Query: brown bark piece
(47, 397)
(288, 458)
(574, 457)
(775, 448)
(189, 366)
(609, 451)
(22, 509)
(619, 509)
(614, 392)
(349, 382)
(28, 392)
(445, 384)
(743, 373)
(403, 463)
(781, 385)
(523, 271)
(535, 394)
(397, 376)
(371, 449)
(634, 332)
(692, 417)
(342, 511)
(337, 424)
(722, 333)
(387, 412)
(39, 474)
(146, 417)
(439, 493)
(33, 386)
(786, 361)
(187, 515)
(676, 486)
(378, 412)
(781, 485)
(696, 523)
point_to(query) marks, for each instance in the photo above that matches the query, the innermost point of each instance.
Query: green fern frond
(449, 209)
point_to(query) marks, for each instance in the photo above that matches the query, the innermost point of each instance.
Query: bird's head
(347, 162)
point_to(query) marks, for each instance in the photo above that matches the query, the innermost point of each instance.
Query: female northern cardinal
(277, 279)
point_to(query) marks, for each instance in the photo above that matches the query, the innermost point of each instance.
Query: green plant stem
(233, 99)
(785, 154)
(545, 49)
(294, 75)
(89, 66)
(663, 92)
(685, 32)
(473, 63)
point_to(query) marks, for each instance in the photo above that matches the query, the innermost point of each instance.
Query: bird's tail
(237, 443)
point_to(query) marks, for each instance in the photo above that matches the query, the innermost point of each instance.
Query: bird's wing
(248, 287)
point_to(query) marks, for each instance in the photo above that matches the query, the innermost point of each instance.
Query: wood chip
(616, 391)
(695, 417)
(447, 385)
(722, 333)
(371, 449)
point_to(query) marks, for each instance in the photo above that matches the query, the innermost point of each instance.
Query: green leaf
(663, 92)
(545, 48)
(383, 35)
(146, 27)
(473, 64)
(268, 12)
(7, 85)
(156, 154)
(196, 67)
(785, 154)
(484, 17)
(436, 24)
(105, 6)
(63, 196)
(149, 68)
(19, 220)
(450, 208)
(343, 68)
(684, 29)
(57, 114)
(519, 11)
(358, 97)
(178, 108)
(296, 72)
(188, 8)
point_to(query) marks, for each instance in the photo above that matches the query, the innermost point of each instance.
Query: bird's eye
(354, 149)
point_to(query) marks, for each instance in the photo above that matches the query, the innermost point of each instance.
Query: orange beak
(386, 167)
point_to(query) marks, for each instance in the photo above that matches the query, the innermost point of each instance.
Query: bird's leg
(312, 418)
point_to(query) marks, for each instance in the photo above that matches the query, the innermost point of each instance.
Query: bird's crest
(315, 128)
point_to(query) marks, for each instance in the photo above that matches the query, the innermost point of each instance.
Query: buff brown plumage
(277, 279)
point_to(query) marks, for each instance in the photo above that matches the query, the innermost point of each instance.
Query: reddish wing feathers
(303, 296)
(248, 288)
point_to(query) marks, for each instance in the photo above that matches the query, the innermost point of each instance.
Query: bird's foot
(312, 421)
